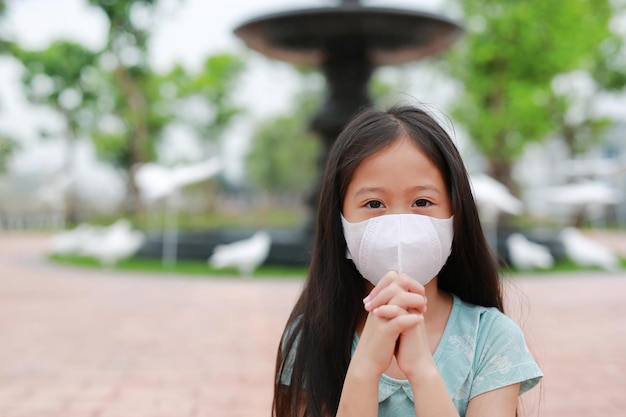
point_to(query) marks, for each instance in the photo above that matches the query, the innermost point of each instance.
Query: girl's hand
(398, 290)
(387, 321)
(413, 354)
(379, 338)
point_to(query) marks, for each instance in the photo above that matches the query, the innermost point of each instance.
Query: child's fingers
(398, 316)
(401, 279)
(413, 303)
(411, 293)
(397, 295)
(388, 278)
(388, 311)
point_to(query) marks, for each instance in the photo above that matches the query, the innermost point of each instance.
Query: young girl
(401, 313)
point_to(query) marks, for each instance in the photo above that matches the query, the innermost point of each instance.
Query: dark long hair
(317, 341)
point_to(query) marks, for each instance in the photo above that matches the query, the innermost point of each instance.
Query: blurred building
(547, 167)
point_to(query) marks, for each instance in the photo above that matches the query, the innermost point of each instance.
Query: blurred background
(146, 136)
(155, 112)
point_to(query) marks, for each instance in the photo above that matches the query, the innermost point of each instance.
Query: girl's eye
(422, 203)
(374, 204)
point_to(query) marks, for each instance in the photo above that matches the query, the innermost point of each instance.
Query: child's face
(396, 180)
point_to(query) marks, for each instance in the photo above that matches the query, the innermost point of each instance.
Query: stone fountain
(346, 42)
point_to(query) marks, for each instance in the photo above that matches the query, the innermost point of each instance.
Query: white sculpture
(156, 181)
(493, 198)
(111, 244)
(244, 255)
(525, 254)
(107, 244)
(586, 252)
(70, 242)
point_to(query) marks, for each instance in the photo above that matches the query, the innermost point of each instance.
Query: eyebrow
(428, 187)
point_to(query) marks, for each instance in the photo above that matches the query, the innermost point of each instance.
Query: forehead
(403, 152)
(402, 166)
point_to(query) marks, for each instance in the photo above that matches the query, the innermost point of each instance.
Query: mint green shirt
(480, 350)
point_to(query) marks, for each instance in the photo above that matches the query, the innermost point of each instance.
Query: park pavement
(78, 342)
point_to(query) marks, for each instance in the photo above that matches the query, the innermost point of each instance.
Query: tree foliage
(507, 60)
(131, 141)
(117, 99)
(133, 115)
(64, 77)
(209, 92)
(136, 117)
(609, 68)
(7, 145)
(283, 153)
(144, 102)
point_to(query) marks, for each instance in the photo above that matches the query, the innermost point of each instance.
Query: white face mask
(414, 244)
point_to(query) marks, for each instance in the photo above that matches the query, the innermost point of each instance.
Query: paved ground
(78, 343)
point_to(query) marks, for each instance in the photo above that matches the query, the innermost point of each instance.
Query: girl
(402, 312)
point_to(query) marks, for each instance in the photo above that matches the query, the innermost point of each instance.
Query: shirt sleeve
(503, 357)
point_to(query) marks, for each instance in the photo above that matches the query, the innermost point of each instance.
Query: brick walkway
(78, 343)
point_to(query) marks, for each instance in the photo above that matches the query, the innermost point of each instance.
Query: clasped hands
(395, 326)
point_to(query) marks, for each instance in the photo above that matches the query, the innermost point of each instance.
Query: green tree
(210, 91)
(64, 77)
(283, 152)
(507, 60)
(143, 102)
(610, 62)
(133, 114)
(5, 45)
(572, 112)
(7, 145)
(129, 133)
(605, 72)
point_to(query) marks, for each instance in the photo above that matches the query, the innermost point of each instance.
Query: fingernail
(368, 305)
(366, 299)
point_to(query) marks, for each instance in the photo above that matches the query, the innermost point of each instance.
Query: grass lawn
(184, 267)
(202, 269)
(560, 266)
